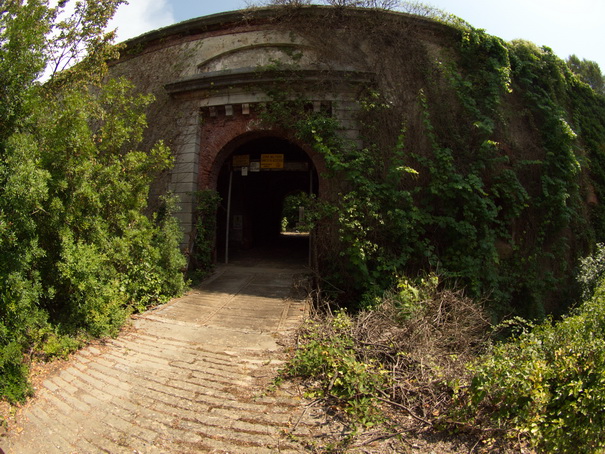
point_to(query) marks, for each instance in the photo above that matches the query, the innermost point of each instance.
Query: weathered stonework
(210, 74)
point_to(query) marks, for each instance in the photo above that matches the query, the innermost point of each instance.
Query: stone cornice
(252, 77)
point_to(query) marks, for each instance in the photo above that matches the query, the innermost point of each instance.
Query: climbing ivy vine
(207, 203)
(493, 176)
(483, 180)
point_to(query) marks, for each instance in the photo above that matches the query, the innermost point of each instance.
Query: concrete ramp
(252, 300)
(189, 377)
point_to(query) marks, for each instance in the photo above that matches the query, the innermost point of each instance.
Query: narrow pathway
(189, 377)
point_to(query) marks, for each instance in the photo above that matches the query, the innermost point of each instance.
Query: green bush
(14, 385)
(547, 384)
(397, 364)
(327, 357)
(592, 269)
(78, 249)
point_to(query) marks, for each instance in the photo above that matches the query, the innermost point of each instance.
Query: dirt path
(190, 376)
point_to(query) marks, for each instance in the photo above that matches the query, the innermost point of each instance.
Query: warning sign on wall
(271, 161)
(241, 160)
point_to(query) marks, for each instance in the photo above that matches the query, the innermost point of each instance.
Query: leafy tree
(77, 251)
(589, 72)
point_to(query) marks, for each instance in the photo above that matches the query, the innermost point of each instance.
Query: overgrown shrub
(408, 352)
(591, 271)
(327, 355)
(78, 251)
(547, 384)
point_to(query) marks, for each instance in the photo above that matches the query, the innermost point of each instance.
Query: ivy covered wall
(476, 158)
(481, 160)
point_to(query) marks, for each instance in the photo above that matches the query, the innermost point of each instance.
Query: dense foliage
(202, 256)
(393, 368)
(486, 165)
(588, 71)
(491, 175)
(77, 251)
(419, 352)
(547, 384)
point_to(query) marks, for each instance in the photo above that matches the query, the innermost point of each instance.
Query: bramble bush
(426, 351)
(328, 357)
(403, 358)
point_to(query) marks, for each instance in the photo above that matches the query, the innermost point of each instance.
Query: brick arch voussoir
(222, 142)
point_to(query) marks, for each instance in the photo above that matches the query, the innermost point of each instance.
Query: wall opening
(255, 183)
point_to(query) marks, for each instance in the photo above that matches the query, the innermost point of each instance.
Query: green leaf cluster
(327, 357)
(588, 72)
(207, 203)
(546, 384)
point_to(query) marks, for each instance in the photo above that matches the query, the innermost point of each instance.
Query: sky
(566, 26)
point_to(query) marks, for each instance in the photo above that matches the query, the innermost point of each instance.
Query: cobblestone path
(189, 377)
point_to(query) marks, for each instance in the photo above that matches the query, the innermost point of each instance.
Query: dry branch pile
(410, 356)
(425, 353)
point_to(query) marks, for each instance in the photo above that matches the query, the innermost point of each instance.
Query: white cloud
(140, 16)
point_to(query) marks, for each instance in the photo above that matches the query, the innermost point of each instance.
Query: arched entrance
(254, 182)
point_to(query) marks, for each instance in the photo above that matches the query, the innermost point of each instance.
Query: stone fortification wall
(210, 74)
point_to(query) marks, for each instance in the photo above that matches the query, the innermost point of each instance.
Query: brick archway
(252, 202)
(222, 135)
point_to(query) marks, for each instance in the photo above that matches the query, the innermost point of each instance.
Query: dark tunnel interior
(253, 184)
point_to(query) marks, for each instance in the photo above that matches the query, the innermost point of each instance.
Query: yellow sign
(242, 160)
(271, 161)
